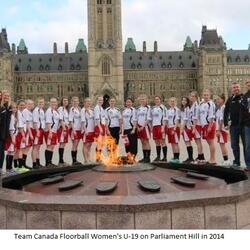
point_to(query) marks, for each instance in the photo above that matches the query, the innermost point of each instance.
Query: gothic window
(109, 11)
(238, 59)
(99, 1)
(41, 67)
(132, 66)
(246, 59)
(106, 66)
(193, 65)
(160, 57)
(47, 67)
(78, 67)
(170, 57)
(169, 65)
(72, 67)
(180, 57)
(181, 65)
(229, 59)
(109, 1)
(151, 65)
(99, 11)
(130, 58)
(150, 58)
(20, 60)
(139, 66)
(28, 68)
(30, 60)
(16, 68)
(60, 67)
(190, 57)
(163, 65)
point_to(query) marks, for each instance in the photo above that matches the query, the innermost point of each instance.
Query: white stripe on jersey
(75, 118)
(186, 118)
(113, 117)
(39, 117)
(87, 117)
(173, 116)
(195, 113)
(143, 115)
(64, 115)
(99, 115)
(28, 116)
(207, 112)
(129, 117)
(158, 114)
(220, 116)
(52, 117)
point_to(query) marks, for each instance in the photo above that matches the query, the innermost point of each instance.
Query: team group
(24, 128)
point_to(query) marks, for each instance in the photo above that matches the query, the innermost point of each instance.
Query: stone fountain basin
(217, 205)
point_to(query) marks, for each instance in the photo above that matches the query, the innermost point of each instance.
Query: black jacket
(232, 110)
(245, 110)
(5, 116)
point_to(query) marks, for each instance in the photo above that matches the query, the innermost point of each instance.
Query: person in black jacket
(5, 115)
(232, 120)
(245, 122)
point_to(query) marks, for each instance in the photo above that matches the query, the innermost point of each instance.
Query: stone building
(106, 69)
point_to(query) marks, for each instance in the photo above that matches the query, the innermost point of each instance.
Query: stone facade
(108, 71)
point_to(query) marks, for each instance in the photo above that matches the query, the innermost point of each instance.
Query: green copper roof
(21, 48)
(81, 47)
(188, 43)
(130, 46)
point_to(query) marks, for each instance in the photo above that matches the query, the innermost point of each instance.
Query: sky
(42, 22)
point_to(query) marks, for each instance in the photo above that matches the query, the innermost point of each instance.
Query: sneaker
(11, 172)
(142, 161)
(51, 165)
(226, 163)
(64, 165)
(157, 159)
(75, 164)
(176, 161)
(22, 170)
(188, 161)
(164, 160)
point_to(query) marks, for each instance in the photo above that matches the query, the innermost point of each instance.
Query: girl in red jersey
(186, 127)
(52, 119)
(143, 127)
(100, 127)
(196, 126)
(76, 127)
(207, 120)
(88, 123)
(221, 132)
(10, 145)
(38, 132)
(20, 138)
(63, 131)
(158, 114)
(29, 138)
(173, 128)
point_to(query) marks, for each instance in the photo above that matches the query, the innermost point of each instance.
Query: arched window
(28, 68)
(72, 67)
(169, 65)
(238, 59)
(193, 65)
(151, 65)
(99, 1)
(163, 65)
(109, 1)
(60, 67)
(246, 59)
(47, 67)
(16, 68)
(181, 65)
(41, 67)
(139, 66)
(106, 66)
(229, 59)
(133, 66)
(78, 67)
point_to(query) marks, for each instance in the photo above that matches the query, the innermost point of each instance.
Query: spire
(21, 48)
(130, 46)
(81, 47)
(188, 44)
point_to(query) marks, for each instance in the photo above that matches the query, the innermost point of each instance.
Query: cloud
(168, 22)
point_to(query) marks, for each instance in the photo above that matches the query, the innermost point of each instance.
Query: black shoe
(157, 159)
(142, 161)
(36, 167)
(164, 160)
(187, 161)
(147, 160)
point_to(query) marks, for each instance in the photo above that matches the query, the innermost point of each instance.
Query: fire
(112, 158)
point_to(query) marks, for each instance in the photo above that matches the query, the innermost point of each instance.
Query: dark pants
(237, 132)
(247, 146)
(133, 142)
(115, 133)
(1, 154)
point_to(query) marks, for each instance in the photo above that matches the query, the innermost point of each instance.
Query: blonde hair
(87, 100)
(4, 92)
